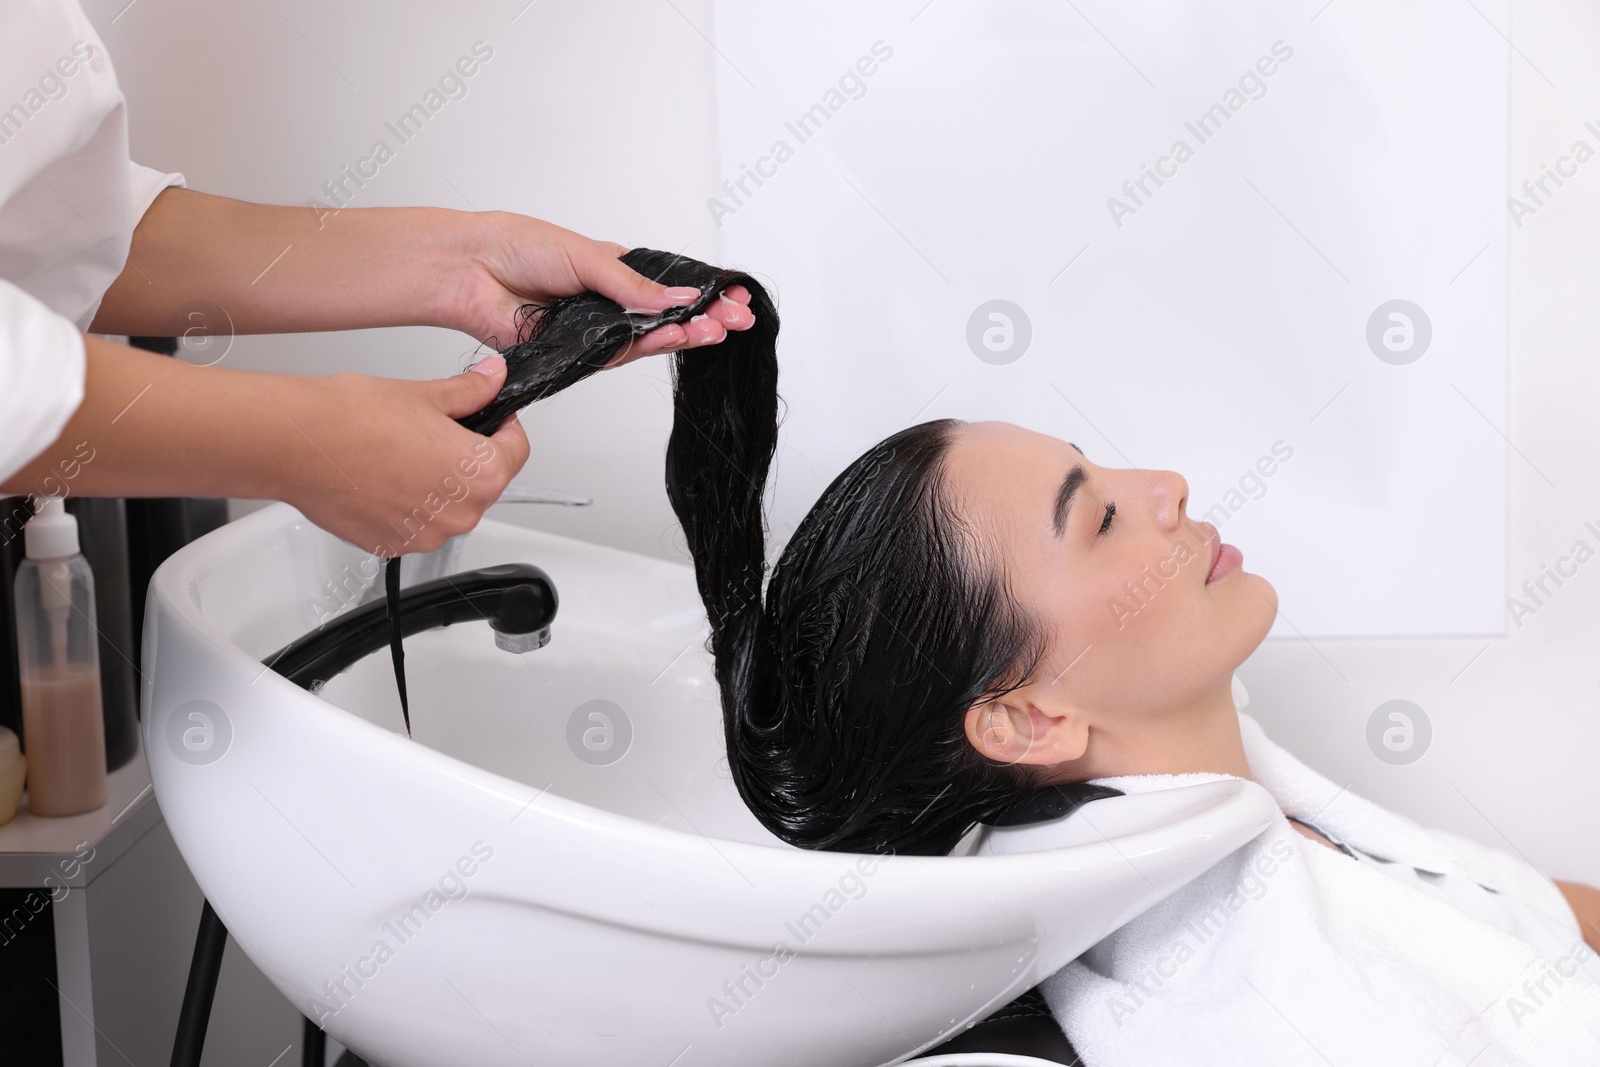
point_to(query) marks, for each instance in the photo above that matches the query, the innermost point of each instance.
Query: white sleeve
(145, 184)
(41, 376)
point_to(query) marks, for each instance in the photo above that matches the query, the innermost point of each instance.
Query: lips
(1225, 558)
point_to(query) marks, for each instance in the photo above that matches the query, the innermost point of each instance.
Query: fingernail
(683, 294)
(490, 364)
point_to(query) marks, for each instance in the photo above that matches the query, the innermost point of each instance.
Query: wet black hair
(845, 682)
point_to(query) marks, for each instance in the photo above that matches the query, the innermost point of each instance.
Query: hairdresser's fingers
(662, 339)
(708, 329)
(514, 438)
(467, 392)
(601, 271)
(511, 448)
(731, 314)
(666, 339)
(697, 332)
(704, 330)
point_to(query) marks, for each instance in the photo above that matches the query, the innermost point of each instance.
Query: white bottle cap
(52, 533)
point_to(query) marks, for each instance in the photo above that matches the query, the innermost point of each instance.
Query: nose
(1169, 493)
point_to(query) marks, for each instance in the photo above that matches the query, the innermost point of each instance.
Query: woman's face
(1146, 612)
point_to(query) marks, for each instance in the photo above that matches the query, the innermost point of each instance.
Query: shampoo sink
(556, 869)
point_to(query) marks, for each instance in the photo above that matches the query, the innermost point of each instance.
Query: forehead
(987, 448)
(997, 472)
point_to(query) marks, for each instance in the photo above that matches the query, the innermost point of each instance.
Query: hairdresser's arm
(275, 269)
(380, 462)
(1585, 902)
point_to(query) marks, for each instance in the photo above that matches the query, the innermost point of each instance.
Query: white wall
(913, 172)
(1516, 736)
(597, 116)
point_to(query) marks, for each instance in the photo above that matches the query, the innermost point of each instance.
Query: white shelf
(32, 847)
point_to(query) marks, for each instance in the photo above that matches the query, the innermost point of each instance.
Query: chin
(1263, 598)
(1261, 585)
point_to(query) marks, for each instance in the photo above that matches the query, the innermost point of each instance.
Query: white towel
(1288, 952)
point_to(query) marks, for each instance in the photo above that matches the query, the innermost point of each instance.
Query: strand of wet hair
(724, 435)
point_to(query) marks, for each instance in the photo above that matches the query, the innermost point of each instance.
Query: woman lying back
(973, 613)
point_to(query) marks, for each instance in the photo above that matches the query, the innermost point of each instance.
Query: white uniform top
(69, 200)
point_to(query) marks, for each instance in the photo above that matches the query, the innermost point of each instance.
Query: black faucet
(518, 600)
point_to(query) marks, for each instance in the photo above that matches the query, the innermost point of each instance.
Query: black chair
(1024, 1027)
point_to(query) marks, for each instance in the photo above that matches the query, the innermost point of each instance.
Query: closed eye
(1111, 511)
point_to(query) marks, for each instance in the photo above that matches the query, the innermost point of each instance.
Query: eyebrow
(1064, 495)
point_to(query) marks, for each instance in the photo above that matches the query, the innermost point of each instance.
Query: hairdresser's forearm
(379, 462)
(276, 269)
(154, 426)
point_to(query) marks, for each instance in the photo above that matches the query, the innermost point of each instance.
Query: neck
(1202, 736)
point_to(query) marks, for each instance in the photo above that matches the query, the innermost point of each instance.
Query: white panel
(1189, 325)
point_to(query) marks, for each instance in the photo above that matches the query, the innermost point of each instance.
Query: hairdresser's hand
(392, 473)
(359, 268)
(521, 260)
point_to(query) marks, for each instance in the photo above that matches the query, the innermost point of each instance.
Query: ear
(1019, 727)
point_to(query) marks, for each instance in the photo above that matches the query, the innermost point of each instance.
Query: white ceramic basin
(482, 895)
